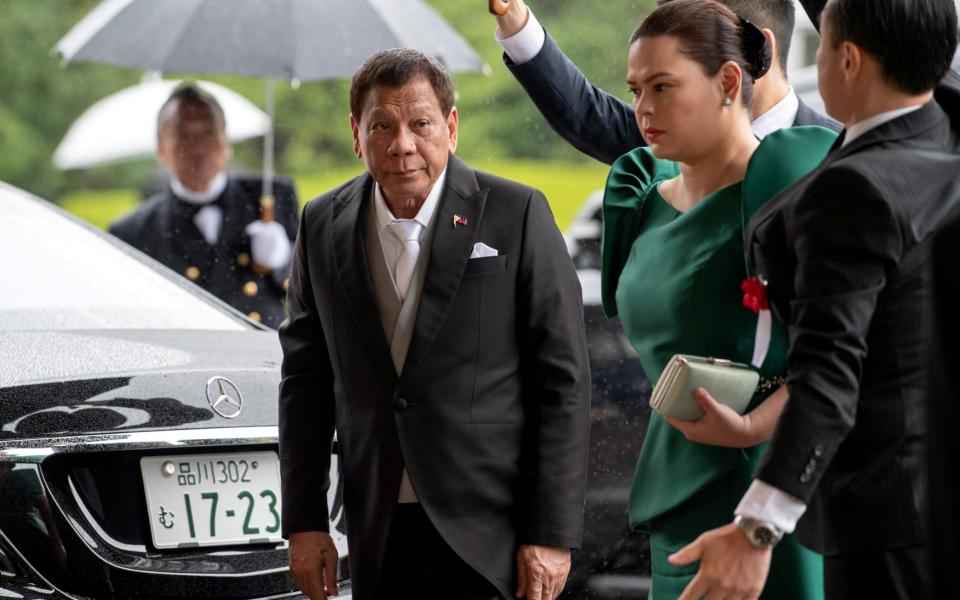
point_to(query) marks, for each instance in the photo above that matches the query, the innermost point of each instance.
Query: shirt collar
(858, 129)
(213, 191)
(780, 116)
(424, 215)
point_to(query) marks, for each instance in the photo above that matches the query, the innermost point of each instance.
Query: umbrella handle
(267, 206)
(498, 7)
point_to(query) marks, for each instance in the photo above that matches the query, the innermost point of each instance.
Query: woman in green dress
(673, 265)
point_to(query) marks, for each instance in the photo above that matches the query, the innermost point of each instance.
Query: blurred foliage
(566, 184)
(39, 99)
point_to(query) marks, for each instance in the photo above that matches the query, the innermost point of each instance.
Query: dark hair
(395, 68)
(913, 41)
(779, 16)
(191, 93)
(710, 34)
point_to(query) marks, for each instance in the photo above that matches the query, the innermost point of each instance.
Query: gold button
(250, 289)
(243, 259)
(286, 283)
(192, 273)
(255, 316)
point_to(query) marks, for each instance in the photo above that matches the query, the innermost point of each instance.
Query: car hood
(80, 382)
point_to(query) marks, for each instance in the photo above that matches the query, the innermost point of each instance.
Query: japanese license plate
(212, 499)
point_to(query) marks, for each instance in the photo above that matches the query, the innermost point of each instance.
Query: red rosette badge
(755, 294)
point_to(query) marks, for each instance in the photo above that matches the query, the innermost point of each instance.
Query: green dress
(674, 279)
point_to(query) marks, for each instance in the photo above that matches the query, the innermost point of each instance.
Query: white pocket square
(481, 250)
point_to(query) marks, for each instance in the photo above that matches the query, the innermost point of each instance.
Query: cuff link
(192, 273)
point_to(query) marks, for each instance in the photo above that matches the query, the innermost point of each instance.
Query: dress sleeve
(783, 158)
(632, 178)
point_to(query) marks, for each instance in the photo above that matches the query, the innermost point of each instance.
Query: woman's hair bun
(756, 50)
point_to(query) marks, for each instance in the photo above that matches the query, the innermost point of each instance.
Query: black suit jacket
(490, 413)
(944, 411)
(846, 252)
(590, 119)
(163, 228)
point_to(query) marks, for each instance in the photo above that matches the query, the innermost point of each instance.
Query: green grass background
(566, 186)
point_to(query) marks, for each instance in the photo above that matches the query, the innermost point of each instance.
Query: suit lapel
(350, 256)
(449, 253)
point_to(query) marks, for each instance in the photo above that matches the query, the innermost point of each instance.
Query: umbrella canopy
(124, 125)
(277, 39)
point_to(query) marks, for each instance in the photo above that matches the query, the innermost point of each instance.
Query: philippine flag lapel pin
(459, 220)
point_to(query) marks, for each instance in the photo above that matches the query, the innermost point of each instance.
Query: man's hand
(313, 563)
(543, 571)
(730, 565)
(512, 21)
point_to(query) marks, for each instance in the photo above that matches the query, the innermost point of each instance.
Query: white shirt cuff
(524, 45)
(764, 502)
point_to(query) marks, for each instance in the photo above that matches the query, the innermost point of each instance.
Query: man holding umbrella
(211, 226)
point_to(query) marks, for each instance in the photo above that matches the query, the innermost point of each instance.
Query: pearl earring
(727, 100)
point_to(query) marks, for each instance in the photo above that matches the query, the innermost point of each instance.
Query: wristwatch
(760, 533)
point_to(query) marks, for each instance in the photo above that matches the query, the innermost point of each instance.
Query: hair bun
(756, 50)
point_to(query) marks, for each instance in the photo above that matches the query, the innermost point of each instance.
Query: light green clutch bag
(730, 383)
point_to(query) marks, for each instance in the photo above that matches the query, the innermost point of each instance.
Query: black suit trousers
(419, 565)
(899, 574)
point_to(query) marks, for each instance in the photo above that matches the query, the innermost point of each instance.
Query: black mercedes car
(138, 437)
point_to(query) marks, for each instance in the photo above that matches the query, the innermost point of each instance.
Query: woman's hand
(720, 425)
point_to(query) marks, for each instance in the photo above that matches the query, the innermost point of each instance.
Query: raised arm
(590, 119)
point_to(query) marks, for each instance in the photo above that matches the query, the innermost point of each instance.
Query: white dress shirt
(780, 116)
(392, 247)
(524, 45)
(858, 129)
(209, 219)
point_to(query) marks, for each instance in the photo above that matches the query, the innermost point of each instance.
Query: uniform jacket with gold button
(163, 227)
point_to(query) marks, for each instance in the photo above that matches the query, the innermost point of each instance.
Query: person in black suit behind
(846, 254)
(209, 225)
(436, 324)
(603, 126)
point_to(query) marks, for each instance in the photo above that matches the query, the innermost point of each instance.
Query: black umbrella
(291, 40)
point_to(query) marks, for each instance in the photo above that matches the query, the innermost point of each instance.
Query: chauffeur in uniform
(211, 226)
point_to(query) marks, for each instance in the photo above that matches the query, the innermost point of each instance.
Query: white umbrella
(123, 125)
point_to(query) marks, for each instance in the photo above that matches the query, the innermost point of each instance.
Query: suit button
(818, 450)
(400, 404)
(255, 316)
(250, 289)
(192, 273)
(243, 259)
(805, 477)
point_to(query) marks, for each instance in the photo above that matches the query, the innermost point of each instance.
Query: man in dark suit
(846, 253)
(436, 326)
(605, 127)
(211, 226)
